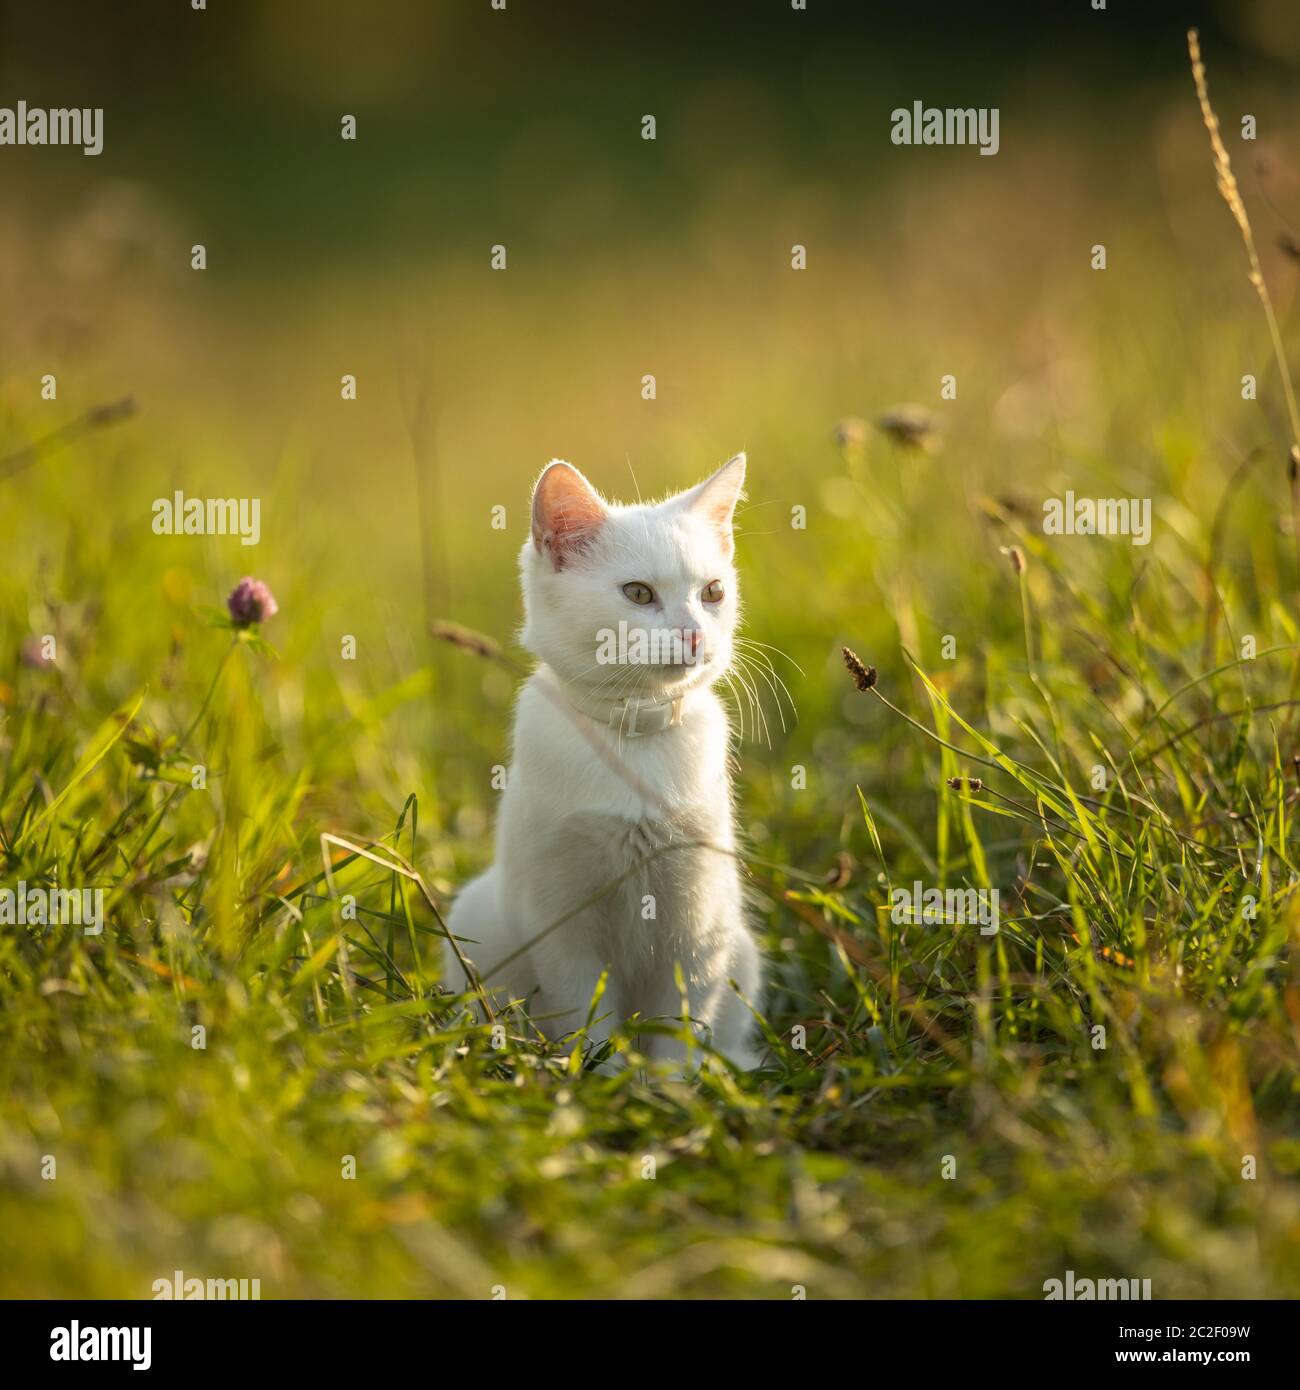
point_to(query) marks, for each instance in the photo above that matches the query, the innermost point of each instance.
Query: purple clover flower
(251, 601)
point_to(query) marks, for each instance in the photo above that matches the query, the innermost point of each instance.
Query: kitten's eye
(713, 591)
(638, 592)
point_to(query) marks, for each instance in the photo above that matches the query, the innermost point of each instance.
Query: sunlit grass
(1105, 733)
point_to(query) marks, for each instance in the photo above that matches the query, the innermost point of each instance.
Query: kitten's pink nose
(685, 644)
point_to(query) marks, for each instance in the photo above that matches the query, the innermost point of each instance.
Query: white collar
(629, 717)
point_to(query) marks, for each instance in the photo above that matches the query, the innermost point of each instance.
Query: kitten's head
(637, 600)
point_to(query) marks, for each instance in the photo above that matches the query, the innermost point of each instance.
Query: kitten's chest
(672, 776)
(653, 887)
(631, 839)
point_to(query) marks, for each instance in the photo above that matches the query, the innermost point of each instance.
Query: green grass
(479, 1166)
(952, 1125)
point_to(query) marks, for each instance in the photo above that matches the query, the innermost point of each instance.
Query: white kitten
(619, 780)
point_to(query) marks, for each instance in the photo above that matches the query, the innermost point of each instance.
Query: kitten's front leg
(735, 1032)
(569, 986)
(719, 1016)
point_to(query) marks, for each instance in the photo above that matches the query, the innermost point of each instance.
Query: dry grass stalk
(1231, 194)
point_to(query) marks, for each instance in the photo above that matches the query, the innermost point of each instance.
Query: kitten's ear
(567, 512)
(716, 497)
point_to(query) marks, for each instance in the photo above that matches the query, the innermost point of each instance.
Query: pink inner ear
(715, 499)
(718, 515)
(566, 512)
(717, 506)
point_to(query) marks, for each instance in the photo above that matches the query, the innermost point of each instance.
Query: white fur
(584, 805)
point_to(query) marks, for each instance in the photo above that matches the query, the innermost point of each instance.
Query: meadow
(257, 1071)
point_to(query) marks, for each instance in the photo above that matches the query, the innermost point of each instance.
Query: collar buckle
(639, 718)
